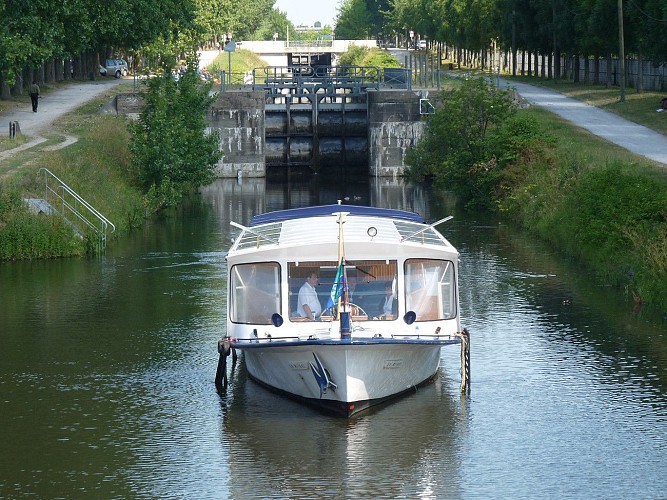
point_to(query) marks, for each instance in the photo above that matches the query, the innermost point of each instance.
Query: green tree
(275, 22)
(354, 21)
(242, 19)
(30, 33)
(171, 152)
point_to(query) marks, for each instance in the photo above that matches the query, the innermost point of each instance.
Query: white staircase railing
(70, 205)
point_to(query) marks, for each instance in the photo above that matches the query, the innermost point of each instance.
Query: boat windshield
(254, 292)
(430, 289)
(366, 283)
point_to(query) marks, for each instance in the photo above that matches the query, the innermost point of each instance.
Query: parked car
(115, 67)
(422, 44)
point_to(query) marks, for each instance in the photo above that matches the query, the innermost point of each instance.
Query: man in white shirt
(308, 304)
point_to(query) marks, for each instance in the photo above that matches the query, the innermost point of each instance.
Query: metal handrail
(61, 196)
(271, 77)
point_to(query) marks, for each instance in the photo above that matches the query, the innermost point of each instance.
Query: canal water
(107, 368)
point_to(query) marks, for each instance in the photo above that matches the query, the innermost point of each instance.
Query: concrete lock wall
(238, 116)
(394, 125)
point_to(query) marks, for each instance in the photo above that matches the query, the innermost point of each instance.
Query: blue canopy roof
(327, 210)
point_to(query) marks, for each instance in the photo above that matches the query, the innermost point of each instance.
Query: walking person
(34, 95)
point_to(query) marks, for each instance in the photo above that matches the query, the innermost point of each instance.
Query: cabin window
(430, 289)
(367, 281)
(254, 292)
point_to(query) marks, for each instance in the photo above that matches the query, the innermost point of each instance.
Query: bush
(25, 235)
(363, 56)
(471, 141)
(353, 56)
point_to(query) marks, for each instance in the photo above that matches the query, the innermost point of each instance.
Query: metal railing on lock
(66, 201)
(235, 80)
(353, 79)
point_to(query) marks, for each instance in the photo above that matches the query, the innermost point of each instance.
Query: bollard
(14, 129)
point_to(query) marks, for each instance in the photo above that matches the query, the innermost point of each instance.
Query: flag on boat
(338, 287)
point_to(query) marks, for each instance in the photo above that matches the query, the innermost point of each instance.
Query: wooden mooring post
(465, 361)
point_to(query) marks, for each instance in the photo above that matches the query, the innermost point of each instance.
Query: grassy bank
(241, 60)
(97, 167)
(599, 205)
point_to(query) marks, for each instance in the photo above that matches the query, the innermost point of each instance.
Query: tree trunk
(596, 69)
(40, 74)
(611, 72)
(640, 74)
(91, 58)
(5, 90)
(514, 58)
(28, 77)
(587, 69)
(550, 66)
(530, 64)
(77, 69)
(555, 53)
(50, 71)
(58, 66)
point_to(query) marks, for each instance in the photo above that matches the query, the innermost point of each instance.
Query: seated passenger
(388, 306)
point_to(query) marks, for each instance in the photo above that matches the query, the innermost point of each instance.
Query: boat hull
(343, 378)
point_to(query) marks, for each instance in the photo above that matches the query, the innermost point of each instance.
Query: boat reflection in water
(416, 441)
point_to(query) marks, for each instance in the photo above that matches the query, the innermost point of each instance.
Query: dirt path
(52, 106)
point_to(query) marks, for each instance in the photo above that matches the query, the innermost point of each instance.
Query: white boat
(388, 301)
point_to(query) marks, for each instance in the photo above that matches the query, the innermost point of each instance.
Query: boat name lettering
(392, 363)
(298, 365)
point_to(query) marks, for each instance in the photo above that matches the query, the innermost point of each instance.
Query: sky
(309, 11)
